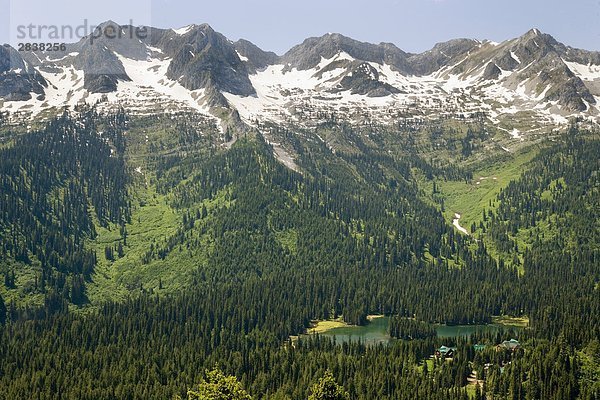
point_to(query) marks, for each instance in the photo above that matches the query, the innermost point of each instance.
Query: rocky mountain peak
(309, 54)
(203, 57)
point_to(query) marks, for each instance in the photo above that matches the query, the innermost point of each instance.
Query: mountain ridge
(196, 67)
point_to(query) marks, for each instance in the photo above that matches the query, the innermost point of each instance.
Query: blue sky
(413, 25)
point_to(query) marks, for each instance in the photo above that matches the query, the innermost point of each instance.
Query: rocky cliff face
(254, 57)
(19, 80)
(441, 55)
(365, 80)
(204, 58)
(102, 68)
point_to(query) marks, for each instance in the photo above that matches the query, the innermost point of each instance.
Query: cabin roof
(510, 344)
(445, 349)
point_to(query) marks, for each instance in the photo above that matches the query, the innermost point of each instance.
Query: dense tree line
(49, 180)
(556, 202)
(410, 329)
(374, 244)
(350, 236)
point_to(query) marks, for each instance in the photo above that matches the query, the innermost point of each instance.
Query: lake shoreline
(376, 330)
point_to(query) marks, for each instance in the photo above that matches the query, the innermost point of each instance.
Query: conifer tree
(2, 311)
(217, 386)
(328, 389)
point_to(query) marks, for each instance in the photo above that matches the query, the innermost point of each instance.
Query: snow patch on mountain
(149, 90)
(243, 58)
(185, 29)
(585, 72)
(515, 57)
(65, 88)
(284, 94)
(149, 83)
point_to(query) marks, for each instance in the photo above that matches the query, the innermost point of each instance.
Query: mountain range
(530, 77)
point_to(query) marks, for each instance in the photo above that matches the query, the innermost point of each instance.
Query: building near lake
(510, 345)
(445, 352)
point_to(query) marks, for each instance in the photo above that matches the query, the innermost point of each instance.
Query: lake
(373, 333)
(446, 331)
(376, 331)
